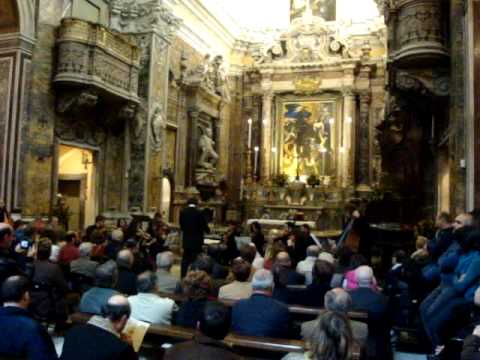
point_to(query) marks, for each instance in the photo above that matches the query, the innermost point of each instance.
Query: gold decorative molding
(307, 86)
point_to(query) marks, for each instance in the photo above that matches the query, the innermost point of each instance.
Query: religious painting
(325, 9)
(307, 137)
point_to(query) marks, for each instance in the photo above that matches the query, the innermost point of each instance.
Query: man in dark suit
(105, 333)
(364, 298)
(193, 225)
(22, 336)
(214, 325)
(261, 315)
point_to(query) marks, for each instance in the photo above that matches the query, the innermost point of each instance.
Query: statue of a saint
(158, 122)
(208, 156)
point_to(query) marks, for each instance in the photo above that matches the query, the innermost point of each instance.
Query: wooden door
(73, 189)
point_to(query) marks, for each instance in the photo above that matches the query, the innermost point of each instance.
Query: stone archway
(17, 38)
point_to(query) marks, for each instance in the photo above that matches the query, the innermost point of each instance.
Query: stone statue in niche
(208, 156)
(207, 160)
(220, 78)
(202, 73)
(157, 124)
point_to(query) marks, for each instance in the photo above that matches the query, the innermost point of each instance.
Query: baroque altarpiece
(314, 94)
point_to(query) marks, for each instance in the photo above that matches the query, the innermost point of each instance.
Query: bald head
(119, 300)
(125, 259)
(338, 300)
(462, 220)
(117, 310)
(364, 276)
(283, 259)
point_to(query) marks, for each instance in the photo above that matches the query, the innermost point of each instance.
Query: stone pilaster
(363, 172)
(348, 155)
(267, 141)
(154, 27)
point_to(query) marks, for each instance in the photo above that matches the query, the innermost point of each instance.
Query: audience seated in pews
(314, 294)
(101, 338)
(240, 288)
(22, 336)
(342, 265)
(438, 245)
(8, 264)
(305, 267)
(198, 287)
(350, 282)
(439, 308)
(365, 298)
(126, 283)
(49, 287)
(115, 244)
(69, 251)
(283, 264)
(206, 263)
(147, 305)
(213, 326)
(331, 339)
(250, 254)
(261, 315)
(442, 270)
(94, 299)
(166, 282)
(338, 300)
(84, 265)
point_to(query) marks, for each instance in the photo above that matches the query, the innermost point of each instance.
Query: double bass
(350, 237)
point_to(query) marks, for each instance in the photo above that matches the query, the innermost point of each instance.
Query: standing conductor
(193, 225)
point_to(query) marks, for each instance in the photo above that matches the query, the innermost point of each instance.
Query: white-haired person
(261, 315)
(84, 265)
(166, 282)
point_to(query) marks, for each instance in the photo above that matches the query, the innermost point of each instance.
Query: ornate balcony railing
(90, 55)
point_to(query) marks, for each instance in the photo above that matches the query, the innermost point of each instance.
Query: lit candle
(250, 133)
(323, 151)
(255, 164)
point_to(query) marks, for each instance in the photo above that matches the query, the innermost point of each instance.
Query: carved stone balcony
(92, 57)
(417, 32)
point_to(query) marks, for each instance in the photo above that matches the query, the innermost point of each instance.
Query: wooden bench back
(264, 344)
(293, 309)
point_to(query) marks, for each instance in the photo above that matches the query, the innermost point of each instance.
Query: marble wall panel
(6, 75)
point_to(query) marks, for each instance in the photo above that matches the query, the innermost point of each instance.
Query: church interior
(159, 141)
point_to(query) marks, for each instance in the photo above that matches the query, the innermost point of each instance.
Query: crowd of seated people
(127, 272)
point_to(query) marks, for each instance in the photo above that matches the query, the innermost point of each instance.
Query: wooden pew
(251, 343)
(293, 309)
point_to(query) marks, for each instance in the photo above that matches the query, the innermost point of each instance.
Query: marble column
(267, 141)
(348, 141)
(363, 172)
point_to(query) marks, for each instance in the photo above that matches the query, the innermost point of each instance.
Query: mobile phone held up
(25, 244)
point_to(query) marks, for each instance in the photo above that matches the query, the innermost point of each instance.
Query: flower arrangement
(280, 180)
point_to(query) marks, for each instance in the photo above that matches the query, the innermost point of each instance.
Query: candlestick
(255, 163)
(250, 133)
